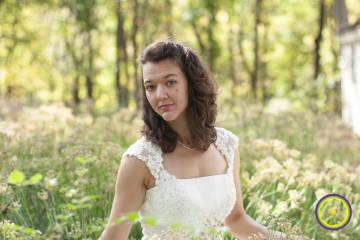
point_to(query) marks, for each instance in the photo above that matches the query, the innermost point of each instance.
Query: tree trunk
(244, 63)
(75, 89)
(318, 39)
(254, 74)
(78, 63)
(135, 48)
(198, 37)
(90, 70)
(232, 71)
(337, 88)
(264, 73)
(211, 38)
(121, 91)
(9, 91)
(293, 82)
(125, 60)
(118, 49)
(211, 48)
(14, 38)
(168, 23)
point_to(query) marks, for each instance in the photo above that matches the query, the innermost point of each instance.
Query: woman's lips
(165, 107)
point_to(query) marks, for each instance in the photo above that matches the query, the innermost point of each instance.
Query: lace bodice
(202, 201)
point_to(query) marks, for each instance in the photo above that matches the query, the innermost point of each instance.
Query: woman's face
(165, 84)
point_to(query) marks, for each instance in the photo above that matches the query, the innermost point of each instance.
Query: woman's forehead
(150, 80)
(153, 71)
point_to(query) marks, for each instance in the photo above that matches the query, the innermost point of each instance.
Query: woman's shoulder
(142, 149)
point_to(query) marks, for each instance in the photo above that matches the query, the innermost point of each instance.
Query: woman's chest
(193, 165)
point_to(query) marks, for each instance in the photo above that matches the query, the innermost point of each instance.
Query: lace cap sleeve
(149, 154)
(228, 142)
(233, 140)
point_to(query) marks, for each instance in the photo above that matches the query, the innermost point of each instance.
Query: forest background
(75, 51)
(69, 107)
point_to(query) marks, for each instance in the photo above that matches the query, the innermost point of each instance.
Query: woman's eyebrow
(166, 76)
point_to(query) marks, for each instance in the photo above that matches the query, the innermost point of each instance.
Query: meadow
(58, 170)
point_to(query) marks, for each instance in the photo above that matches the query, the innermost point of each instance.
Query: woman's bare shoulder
(134, 164)
(137, 168)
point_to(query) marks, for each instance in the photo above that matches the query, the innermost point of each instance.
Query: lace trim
(227, 142)
(151, 154)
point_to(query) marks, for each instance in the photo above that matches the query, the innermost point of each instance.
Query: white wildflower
(51, 181)
(42, 195)
(294, 153)
(292, 167)
(264, 208)
(281, 207)
(71, 192)
(3, 187)
(294, 196)
(320, 193)
(15, 205)
(260, 144)
(280, 187)
(329, 164)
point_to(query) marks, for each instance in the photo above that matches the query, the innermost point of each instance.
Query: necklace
(186, 146)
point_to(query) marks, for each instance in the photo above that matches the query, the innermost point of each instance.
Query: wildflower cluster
(61, 168)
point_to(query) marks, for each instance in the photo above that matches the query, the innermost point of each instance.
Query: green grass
(83, 155)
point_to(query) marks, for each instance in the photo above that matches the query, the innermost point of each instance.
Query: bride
(183, 169)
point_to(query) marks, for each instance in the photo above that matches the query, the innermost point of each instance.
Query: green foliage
(75, 39)
(287, 161)
(16, 177)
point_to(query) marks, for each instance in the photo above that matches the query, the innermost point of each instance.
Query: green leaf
(11, 226)
(64, 217)
(150, 220)
(119, 219)
(36, 178)
(70, 206)
(85, 199)
(175, 225)
(64, 189)
(80, 160)
(28, 230)
(26, 182)
(94, 196)
(132, 216)
(16, 177)
(84, 205)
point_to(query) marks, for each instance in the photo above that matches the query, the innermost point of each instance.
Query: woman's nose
(161, 92)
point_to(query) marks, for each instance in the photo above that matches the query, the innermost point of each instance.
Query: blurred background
(289, 74)
(86, 51)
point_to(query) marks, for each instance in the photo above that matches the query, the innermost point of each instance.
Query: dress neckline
(181, 180)
(200, 177)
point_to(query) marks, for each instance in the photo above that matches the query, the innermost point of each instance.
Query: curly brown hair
(201, 108)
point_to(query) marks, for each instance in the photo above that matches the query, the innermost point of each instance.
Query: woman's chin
(168, 117)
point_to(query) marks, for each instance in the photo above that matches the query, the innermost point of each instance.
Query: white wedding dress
(202, 201)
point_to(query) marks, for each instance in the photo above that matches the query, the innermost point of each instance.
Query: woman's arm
(244, 226)
(129, 196)
(239, 223)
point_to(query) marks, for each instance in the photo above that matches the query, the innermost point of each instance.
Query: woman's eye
(173, 81)
(149, 87)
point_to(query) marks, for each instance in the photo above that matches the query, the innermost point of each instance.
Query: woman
(183, 169)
